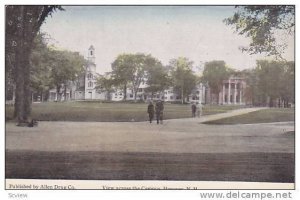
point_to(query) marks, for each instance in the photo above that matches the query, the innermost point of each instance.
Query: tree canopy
(183, 78)
(65, 66)
(134, 69)
(262, 24)
(275, 79)
(105, 84)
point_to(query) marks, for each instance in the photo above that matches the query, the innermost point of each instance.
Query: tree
(251, 92)
(214, 73)
(22, 25)
(131, 69)
(183, 78)
(65, 66)
(288, 83)
(105, 84)
(275, 80)
(157, 78)
(122, 71)
(261, 23)
(40, 77)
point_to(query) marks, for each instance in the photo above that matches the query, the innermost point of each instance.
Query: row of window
(90, 84)
(90, 76)
(238, 85)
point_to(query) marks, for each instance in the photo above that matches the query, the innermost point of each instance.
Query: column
(240, 95)
(234, 93)
(223, 94)
(228, 96)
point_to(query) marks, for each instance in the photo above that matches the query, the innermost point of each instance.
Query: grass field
(108, 112)
(261, 116)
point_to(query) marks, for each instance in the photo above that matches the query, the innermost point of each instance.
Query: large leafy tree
(262, 23)
(21, 27)
(131, 70)
(157, 77)
(288, 84)
(183, 78)
(105, 84)
(214, 73)
(40, 77)
(65, 66)
(275, 80)
(122, 71)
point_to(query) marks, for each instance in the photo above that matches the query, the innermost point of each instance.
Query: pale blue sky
(166, 32)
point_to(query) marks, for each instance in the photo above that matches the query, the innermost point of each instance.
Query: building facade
(233, 91)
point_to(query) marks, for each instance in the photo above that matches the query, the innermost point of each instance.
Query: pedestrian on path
(150, 111)
(199, 109)
(193, 110)
(159, 109)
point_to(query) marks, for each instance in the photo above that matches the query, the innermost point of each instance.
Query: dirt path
(174, 136)
(231, 113)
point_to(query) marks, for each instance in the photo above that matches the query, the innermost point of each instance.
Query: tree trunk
(58, 94)
(24, 40)
(271, 102)
(182, 97)
(65, 92)
(125, 92)
(42, 96)
(23, 91)
(135, 93)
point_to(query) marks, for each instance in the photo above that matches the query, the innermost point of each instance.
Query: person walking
(199, 109)
(151, 111)
(193, 110)
(159, 109)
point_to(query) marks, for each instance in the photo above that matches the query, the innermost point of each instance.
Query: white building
(233, 91)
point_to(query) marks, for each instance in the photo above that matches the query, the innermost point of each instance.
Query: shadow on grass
(249, 167)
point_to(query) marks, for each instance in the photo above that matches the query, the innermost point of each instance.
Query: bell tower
(91, 66)
(91, 54)
(90, 75)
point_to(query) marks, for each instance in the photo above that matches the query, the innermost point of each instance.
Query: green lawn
(106, 112)
(261, 116)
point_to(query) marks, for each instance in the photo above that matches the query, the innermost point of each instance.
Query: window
(171, 97)
(131, 95)
(90, 76)
(90, 84)
(91, 53)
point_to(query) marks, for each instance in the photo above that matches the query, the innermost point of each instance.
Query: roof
(91, 47)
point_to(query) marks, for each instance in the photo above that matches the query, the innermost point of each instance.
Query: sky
(165, 32)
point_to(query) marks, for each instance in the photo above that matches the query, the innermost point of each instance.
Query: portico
(232, 91)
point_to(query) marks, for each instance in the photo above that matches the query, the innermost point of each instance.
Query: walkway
(174, 136)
